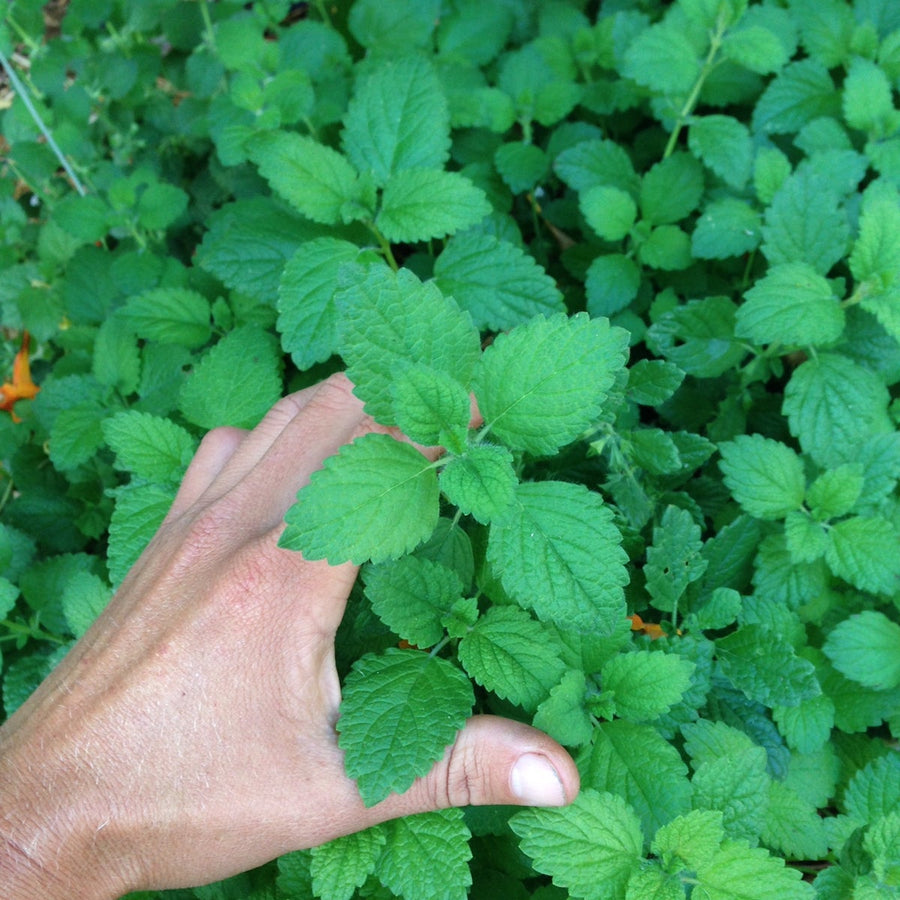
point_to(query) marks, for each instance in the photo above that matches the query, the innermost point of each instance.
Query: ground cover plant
(659, 243)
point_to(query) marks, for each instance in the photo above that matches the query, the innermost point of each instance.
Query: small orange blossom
(21, 387)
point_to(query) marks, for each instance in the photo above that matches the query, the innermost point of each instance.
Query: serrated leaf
(638, 763)
(542, 384)
(591, 848)
(430, 406)
(724, 145)
(804, 223)
(663, 59)
(833, 405)
(395, 27)
(673, 560)
(755, 48)
(507, 652)
(866, 649)
(671, 189)
(236, 381)
(612, 282)
(148, 446)
(427, 856)
(399, 713)
(597, 162)
(499, 284)
(699, 337)
(652, 381)
(474, 30)
(307, 317)
(315, 179)
(521, 165)
(793, 826)
(564, 713)
(739, 872)
(411, 596)
(169, 315)
(691, 839)
(763, 665)
(646, 685)
(667, 247)
(340, 866)
(388, 320)
(481, 482)
(790, 304)
(805, 537)
(611, 212)
(765, 476)
(76, 435)
(376, 499)
(654, 883)
(807, 726)
(84, 597)
(801, 92)
(876, 252)
(117, 360)
(397, 119)
(556, 551)
(420, 204)
(138, 513)
(874, 790)
(867, 97)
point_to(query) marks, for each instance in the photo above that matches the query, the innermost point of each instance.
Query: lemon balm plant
(659, 243)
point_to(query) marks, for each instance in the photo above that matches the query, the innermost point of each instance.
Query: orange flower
(652, 630)
(21, 387)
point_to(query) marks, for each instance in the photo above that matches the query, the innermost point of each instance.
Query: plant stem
(7, 493)
(385, 246)
(208, 26)
(24, 37)
(715, 44)
(322, 10)
(21, 91)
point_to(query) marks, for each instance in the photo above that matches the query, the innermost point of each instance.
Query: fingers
(215, 450)
(493, 761)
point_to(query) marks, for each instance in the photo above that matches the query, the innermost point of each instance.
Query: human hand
(190, 734)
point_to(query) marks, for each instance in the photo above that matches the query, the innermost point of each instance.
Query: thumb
(493, 761)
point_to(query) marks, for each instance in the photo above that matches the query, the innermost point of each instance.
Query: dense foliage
(659, 243)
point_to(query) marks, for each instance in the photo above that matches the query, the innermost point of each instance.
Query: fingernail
(535, 782)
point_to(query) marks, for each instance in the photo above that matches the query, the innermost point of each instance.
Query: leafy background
(526, 190)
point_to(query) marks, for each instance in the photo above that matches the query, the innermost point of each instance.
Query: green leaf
(832, 405)
(507, 652)
(652, 381)
(807, 726)
(315, 179)
(698, 337)
(805, 224)
(426, 857)
(793, 826)
(765, 476)
(150, 447)
(690, 840)
(340, 866)
(724, 145)
(806, 538)
(236, 381)
(564, 714)
(169, 315)
(667, 247)
(136, 518)
(542, 384)
(76, 435)
(396, 27)
(388, 320)
(612, 282)
(117, 361)
(866, 648)
(875, 252)
(835, 492)
(653, 881)
(739, 872)
(755, 48)
(557, 552)
(801, 92)
(671, 189)
(399, 713)
(521, 166)
(411, 596)
(791, 304)
(481, 482)
(397, 120)
(376, 499)
(611, 212)
(638, 763)
(867, 101)
(84, 597)
(663, 59)
(474, 30)
(674, 560)
(420, 204)
(430, 406)
(597, 162)
(160, 205)
(307, 317)
(874, 790)
(762, 664)
(646, 685)
(591, 848)
(499, 284)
